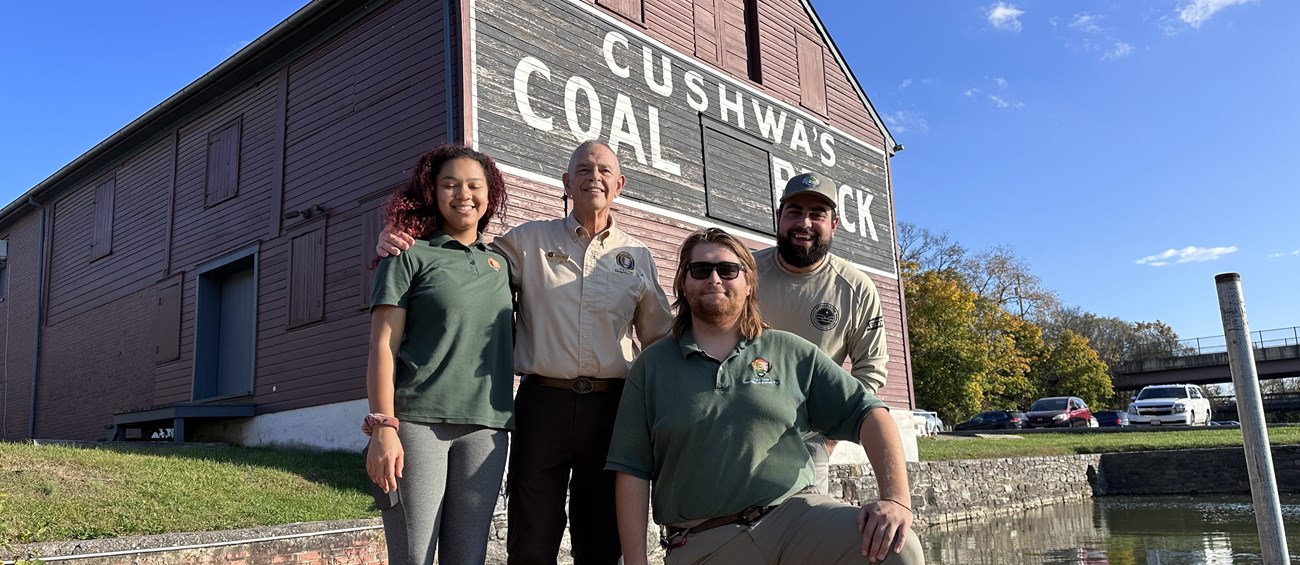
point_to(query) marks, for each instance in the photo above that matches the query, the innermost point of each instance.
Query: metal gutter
(283, 29)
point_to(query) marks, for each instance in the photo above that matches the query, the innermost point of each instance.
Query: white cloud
(1086, 23)
(1197, 12)
(1295, 253)
(906, 83)
(969, 92)
(1189, 254)
(1005, 17)
(904, 121)
(1117, 51)
(1003, 103)
(1001, 82)
(231, 50)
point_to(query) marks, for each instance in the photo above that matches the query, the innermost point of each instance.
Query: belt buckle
(582, 385)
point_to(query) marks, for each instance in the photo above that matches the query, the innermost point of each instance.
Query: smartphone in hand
(383, 500)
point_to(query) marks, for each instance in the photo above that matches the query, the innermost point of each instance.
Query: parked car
(1111, 418)
(1058, 412)
(994, 420)
(1170, 404)
(933, 424)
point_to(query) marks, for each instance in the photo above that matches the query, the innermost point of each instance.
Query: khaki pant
(806, 529)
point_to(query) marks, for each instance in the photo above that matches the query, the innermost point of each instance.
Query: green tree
(950, 359)
(1072, 368)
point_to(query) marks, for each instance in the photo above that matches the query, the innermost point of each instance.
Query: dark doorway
(225, 342)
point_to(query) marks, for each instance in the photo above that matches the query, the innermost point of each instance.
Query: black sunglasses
(727, 270)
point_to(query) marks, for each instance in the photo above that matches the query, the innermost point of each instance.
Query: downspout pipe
(40, 322)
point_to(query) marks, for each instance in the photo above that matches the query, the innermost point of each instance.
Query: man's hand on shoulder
(392, 242)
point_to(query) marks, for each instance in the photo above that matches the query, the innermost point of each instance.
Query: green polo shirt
(456, 362)
(716, 437)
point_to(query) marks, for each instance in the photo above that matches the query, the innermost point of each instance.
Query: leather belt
(580, 385)
(744, 517)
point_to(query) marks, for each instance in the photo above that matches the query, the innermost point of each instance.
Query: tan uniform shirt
(835, 306)
(580, 297)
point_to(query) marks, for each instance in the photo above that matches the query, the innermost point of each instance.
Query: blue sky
(1129, 151)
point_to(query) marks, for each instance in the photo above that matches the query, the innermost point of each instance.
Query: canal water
(1165, 530)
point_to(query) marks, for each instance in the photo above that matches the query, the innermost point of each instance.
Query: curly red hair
(414, 209)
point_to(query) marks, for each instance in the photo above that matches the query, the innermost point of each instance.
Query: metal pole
(1250, 409)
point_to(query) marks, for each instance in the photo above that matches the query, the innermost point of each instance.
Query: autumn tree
(1072, 368)
(950, 359)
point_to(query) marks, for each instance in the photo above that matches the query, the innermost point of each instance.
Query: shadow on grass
(342, 470)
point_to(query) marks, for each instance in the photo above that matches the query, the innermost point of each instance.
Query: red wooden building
(209, 261)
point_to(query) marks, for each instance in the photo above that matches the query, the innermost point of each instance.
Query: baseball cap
(811, 183)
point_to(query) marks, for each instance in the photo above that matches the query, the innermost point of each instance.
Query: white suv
(1170, 404)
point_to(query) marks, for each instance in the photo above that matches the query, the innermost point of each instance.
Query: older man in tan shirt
(583, 285)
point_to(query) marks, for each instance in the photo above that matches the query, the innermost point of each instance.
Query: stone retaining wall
(942, 492)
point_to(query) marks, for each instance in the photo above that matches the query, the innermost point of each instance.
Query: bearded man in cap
(820, 297)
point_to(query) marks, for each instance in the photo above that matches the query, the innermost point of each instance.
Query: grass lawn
(1042, 444)
(59, 492)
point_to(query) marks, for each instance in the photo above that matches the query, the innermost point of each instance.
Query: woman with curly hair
(440, 371)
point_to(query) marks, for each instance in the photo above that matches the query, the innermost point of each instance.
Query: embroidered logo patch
(626, 264)
(492, 262)
(761, 368)
(825, 316)
(875, 323)
(810, 181)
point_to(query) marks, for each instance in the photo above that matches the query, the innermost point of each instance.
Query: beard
(800, 256)
(717, 313)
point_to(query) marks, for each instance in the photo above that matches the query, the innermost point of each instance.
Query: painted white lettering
(828, 150)
(623, 129)
(799, 138)
(695, 82)
(592, 131)
(768, 126)
(648, 63)
(864, 214)
(523, 71)
(736, 107)
(607, 49)
(657, 159)
(845, 223)
(782, 172)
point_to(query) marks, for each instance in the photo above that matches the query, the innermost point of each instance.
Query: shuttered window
(223, 164)
(726, 34)
(631, 9)
(307, 277)
(737, 178)
(167, 320)
(812, 74)
(101, 242)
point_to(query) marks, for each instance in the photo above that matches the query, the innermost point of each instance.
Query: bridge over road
(1205, 361)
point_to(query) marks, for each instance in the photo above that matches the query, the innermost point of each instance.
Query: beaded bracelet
(905, 507)
(372, 420)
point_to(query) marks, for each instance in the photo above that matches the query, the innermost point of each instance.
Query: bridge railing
(1215, 344)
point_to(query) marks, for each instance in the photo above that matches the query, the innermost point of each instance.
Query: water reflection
(1200, 530)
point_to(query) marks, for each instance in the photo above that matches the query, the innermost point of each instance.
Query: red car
(1058, 412)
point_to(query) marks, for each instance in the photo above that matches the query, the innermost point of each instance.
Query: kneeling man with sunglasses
(713, 417)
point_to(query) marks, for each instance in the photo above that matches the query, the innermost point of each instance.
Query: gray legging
(451, 470)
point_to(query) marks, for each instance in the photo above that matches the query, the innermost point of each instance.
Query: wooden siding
(77, 282)
(633, 10)
(360, 109)
(739, 178)
(19, 311)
